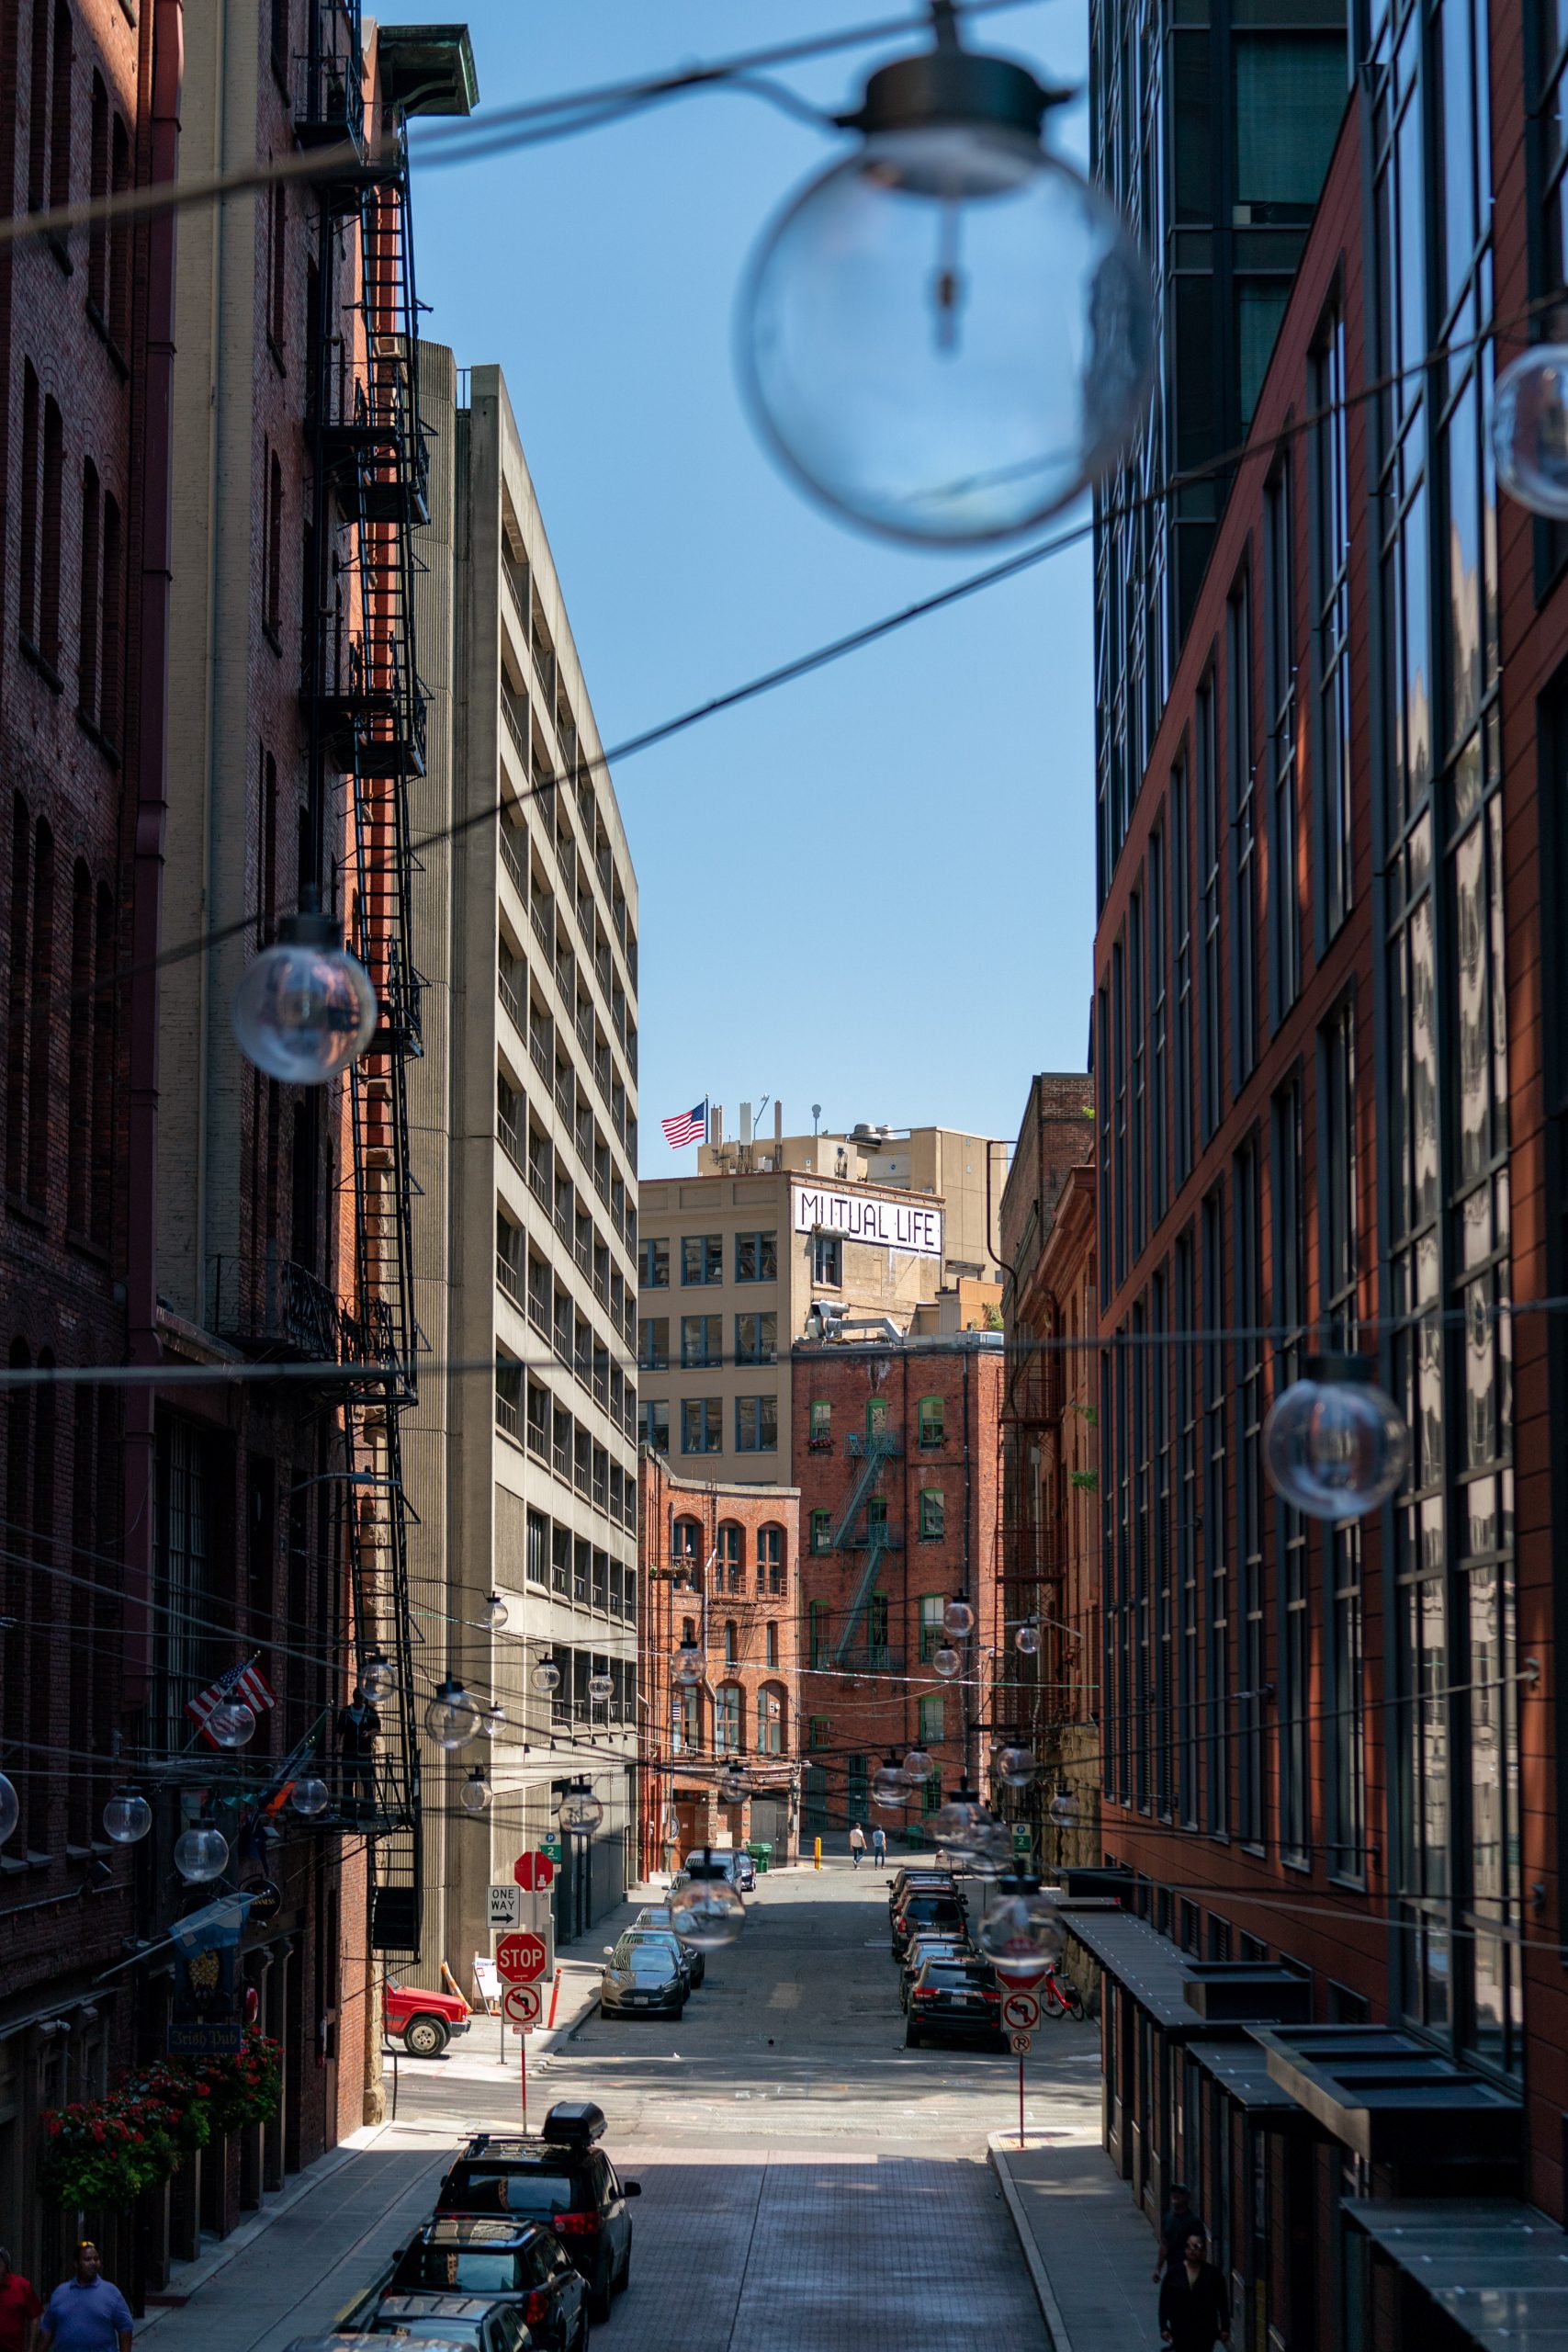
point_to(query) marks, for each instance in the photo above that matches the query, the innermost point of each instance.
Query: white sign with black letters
(506, 1905)
(859, 1217)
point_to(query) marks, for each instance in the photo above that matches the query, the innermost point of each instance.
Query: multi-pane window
(536, 1548)
(1344, 1726)
(654, 1418)
(821, 1532)
(817, 1633)
(702, 1425)
(771, 1566)
(770, 1718)
(1295, 1632)
(756, 1425)
(757, 1338)
(819, 1425)
(934, 1634)
(1184, 1532)
(1216, 1405)
(1249, 1412)
(1211, 837)
(932, 1720)
(654, 1263)
(933, 1515)
(731, 1556)
(1331, 622)
(931, 1416)
(827, 1259)
(756, 1257)
(1244, 835)
(653, 1342)
(1181, 1103)
(701, 1257)
(1160, 1023)
(1279, 710)
(1137, 1072)
(1119, 1173)
(728, 1719)
(702, 1340)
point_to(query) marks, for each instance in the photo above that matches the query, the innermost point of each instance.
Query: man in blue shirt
(86, 2314)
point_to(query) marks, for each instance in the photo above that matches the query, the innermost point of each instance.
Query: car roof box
(575, 2119)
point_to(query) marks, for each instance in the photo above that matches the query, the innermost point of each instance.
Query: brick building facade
(1330, 1079)
(720, 1569)
(897, 1457)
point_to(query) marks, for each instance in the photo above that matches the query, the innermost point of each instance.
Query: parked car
(425, 2022)
(665, 1939)
(562, 2178)
(959, 2002)
(658, 1915)
(921, 1948)
(519, 2260)
(643, 1979)
(735, 1865)
(455, 2322)
(910, 1879)
(930, 1909)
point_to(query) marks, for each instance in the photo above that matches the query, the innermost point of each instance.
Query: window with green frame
(932, 1422)
(876, 1519)
(819, 1734)
(816, 1629)
(856, 1784)
(877, 1621)
(821, 1530)
(933, 1515)
(930, 1793)
(933, 1717)
(819, 1433)
(933, 1631)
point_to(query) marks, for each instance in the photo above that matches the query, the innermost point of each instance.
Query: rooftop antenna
(815, 1115)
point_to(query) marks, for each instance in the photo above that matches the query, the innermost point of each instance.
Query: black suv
(562, 2179)
(523, 2261)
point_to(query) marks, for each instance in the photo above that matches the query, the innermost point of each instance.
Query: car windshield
(645, 1959)
(945, 1976)
(932, 1906)
(466, 2268)
(513, 2192)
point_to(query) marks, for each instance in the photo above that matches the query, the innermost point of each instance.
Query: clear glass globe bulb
(378, 1681)
(200, 1855)
(1026, 1640)
(1335, 1446)
(495, 1612)
(546, 1677)
(890, 1786)
(10, 1808)
(949, 333)
(600, 1685)
(304, 1013)
(493, 1720)
(734, 1784)
(946, 1661)
(958, 1620)
(961, 1824)
(672, 1822)
(580, 1812)
(688, 1664)
(918, 1765)
(309, 1795)
(1529, 429)
(475, 1794)
(231, 1723)
(1063, 1808)
(708, 1913)
(452, 1718)
(1015, 1766)
(128, 1818)
(1021, 1934)
(990, 1855)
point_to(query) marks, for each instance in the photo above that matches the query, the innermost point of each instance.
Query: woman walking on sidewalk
(1194, 2303)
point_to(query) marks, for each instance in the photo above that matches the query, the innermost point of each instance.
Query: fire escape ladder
(879, 1447)
(876, 1553)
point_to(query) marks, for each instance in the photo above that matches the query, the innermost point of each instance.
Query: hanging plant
(245, 2088)
(105, 2152)
(183, 2105)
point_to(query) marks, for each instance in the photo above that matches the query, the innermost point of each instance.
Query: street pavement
(807, 2180)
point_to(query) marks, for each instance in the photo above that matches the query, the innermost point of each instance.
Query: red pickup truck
(423, 2021)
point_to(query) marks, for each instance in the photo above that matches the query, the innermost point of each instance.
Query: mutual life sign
(883, 1225)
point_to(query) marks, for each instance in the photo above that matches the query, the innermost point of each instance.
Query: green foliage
(1086, 1480)
(107, 2152)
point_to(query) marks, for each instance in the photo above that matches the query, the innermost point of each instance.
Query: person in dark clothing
(357, 1725)
(1174, 2230)
(1194, 2303)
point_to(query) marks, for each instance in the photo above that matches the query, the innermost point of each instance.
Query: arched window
(773, 1651)
(731, 1555)
(771, 1558)
(728, 1719)
(770, 1705)
(685, 1720)
(731, 1643)
(685, 1551)
(688, 1629)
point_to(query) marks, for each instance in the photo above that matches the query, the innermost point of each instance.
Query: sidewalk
(1088, 2249)
(295, 2264)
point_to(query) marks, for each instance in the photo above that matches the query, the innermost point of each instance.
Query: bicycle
(1059, 1997)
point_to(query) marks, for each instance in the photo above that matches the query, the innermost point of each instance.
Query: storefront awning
(1392, 2098)
(1498, 2269)
(1241, 2070)
(1148, 1964)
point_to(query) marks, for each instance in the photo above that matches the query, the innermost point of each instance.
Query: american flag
(247, 1682)
(686, 1126)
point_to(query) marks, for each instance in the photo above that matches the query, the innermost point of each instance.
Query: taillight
(536, 2310)
(575, 2226)
(924, 1993)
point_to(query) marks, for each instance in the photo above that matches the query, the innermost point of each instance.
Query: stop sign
(520, 1958)
(532, 1871)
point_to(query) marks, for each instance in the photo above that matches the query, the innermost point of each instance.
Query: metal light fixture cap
(310, 927)
(952, 84)
(1327, 1369)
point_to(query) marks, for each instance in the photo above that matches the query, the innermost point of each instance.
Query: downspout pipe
(156, 465)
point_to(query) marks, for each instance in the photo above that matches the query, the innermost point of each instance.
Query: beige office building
(525, 1143)
(874, 1228)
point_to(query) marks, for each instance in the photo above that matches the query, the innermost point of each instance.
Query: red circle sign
(520, 1958)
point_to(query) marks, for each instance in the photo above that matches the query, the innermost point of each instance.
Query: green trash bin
(762, 1853)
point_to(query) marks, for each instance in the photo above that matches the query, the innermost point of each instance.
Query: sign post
(1020, 2015)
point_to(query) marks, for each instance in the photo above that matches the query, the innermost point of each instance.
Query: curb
(1039, 2277)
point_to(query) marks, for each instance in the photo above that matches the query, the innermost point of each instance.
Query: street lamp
(1529, 429)
(305, 1010)
(201, 1853)
(452, 1718)
(579, 1812)
(475, 1794)
(958, 1618)
(706, 1912)
(949, 333)
(128, 1818)
(1335, 1445)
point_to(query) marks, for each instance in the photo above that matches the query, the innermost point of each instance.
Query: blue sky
(873, 889)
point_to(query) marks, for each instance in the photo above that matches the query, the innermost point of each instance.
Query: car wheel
(680, 2012)
(625, 2280)
(426, 2035)
(599, 2299)
(911, 2038)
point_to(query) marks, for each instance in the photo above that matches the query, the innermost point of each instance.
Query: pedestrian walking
(86, 2314)
(1179, 2221)
(1194, 2303)
(879, 1844)
(19, 2306)
(857, 1845)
